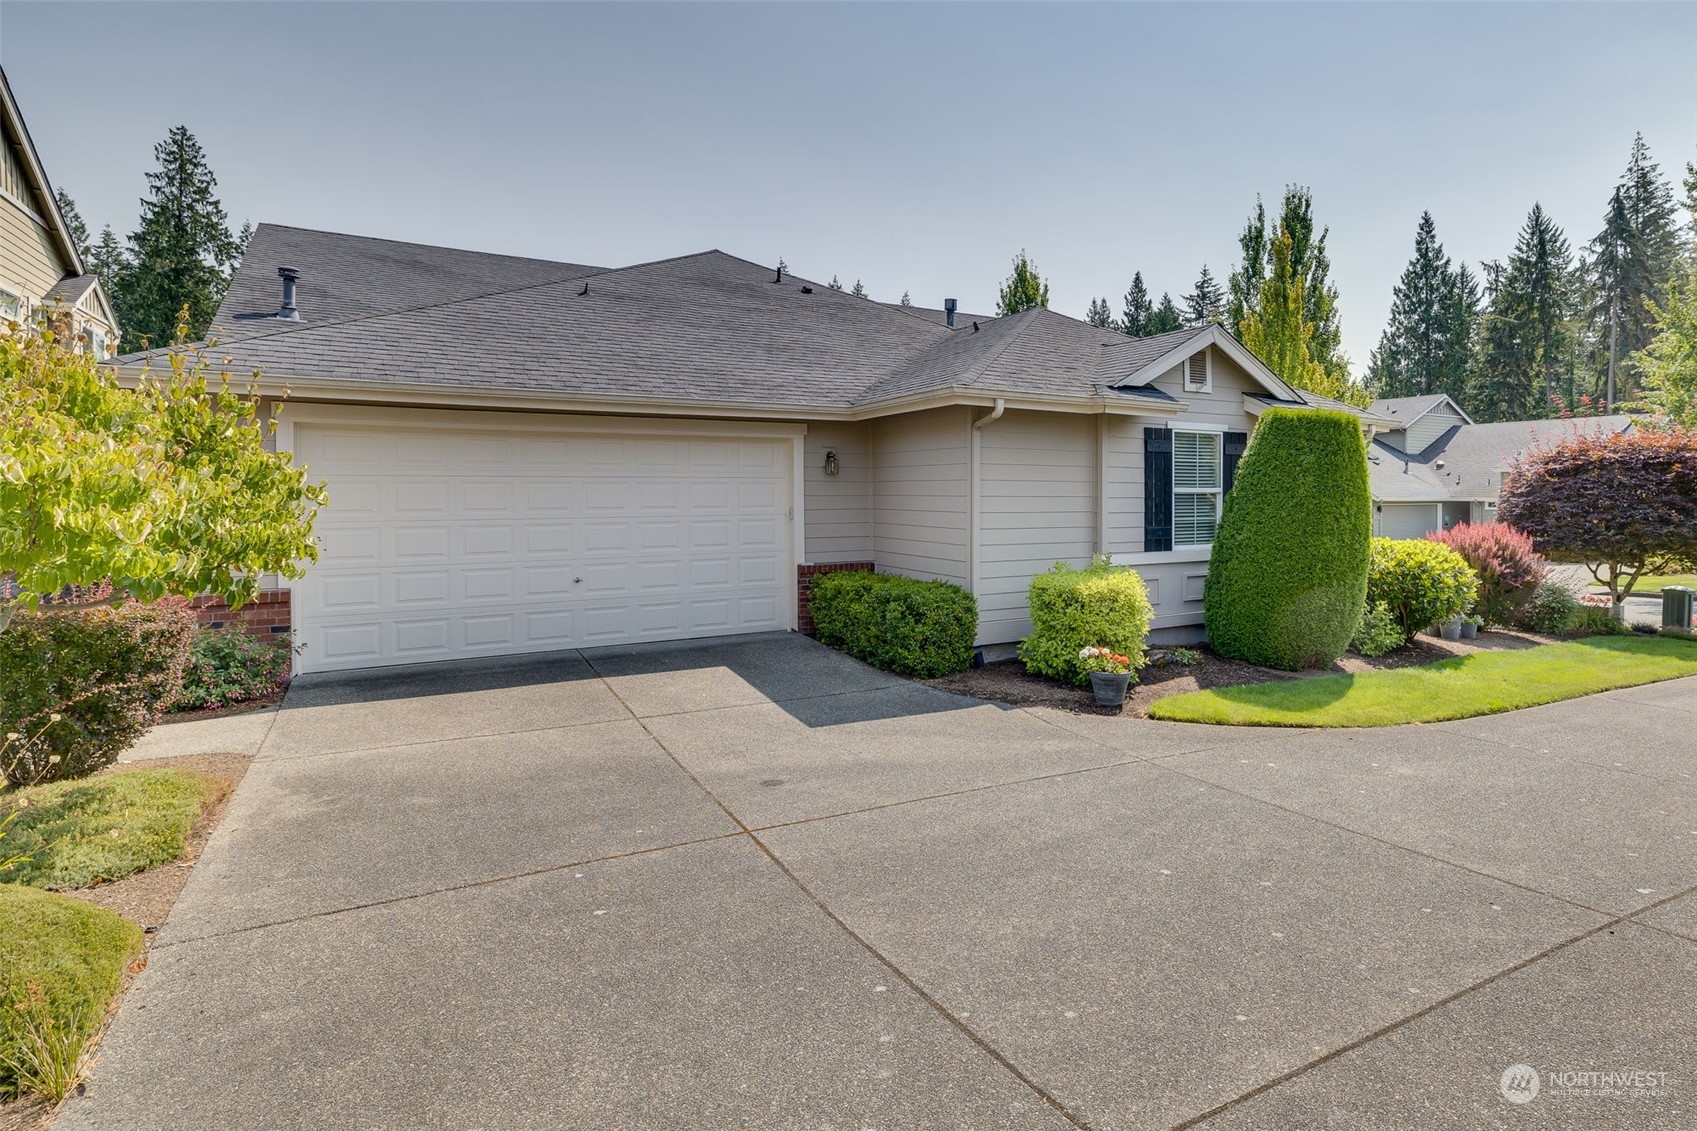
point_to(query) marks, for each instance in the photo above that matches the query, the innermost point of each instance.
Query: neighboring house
(41, 271)
(1435, 468)
(525, 455)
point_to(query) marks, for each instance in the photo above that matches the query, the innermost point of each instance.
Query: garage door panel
(442, 544)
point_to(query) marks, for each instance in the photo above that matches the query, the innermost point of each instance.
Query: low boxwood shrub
(1378, 633)
(1549, 609)
(914, 628)
(61, 963)
(228, 665)
(1509, 569)
(1422, 583)
(1072, 609)
(106, 673)
(1289, 566)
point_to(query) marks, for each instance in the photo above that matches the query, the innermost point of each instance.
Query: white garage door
(446, 543)
(1409, 520)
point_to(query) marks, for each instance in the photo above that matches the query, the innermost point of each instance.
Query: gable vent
(1196, 373)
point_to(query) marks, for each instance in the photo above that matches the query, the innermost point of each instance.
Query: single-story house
(525, 455)
(1435, 468)
(42, 275)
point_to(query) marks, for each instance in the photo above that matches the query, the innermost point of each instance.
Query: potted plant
(1110, 674)
(1470, 625)
(1451, 629)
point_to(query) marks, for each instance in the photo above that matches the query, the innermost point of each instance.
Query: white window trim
(1217, 492)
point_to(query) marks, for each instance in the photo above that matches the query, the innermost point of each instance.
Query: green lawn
(1652, 584)
(75, 833)
(1481, 683)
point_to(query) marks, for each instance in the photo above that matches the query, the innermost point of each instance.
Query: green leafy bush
(1071, 609)
(1378, 632)
(61, 963)
(71, 834)
(1289, 567)
(1548, 611)
(107, 672)
(900, 624)
(1593, 620)
(228, 665)
(1509, 569)
(1422, 583)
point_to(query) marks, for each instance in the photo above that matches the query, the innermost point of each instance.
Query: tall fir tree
(1166, 318)
(182, 252)
(1100, 315)
(835, 284)
(1207, 303)
(1137, 309)
(1425, 345)
(107, 259)
(907, 299)
(858, 290)
(1024, 289)
(74, 226)
(1525, 357)
(1310, 266)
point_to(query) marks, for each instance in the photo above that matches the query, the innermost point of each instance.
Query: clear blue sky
(914, 147)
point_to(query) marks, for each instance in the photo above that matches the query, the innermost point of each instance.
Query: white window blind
(1196, 487)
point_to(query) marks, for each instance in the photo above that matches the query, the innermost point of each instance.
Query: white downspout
(976, 493)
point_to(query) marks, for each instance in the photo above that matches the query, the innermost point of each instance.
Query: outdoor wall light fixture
(831, 465)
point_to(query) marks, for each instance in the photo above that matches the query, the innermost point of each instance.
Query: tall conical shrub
(1288, 573)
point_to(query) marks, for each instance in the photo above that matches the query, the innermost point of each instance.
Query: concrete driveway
(754, 884)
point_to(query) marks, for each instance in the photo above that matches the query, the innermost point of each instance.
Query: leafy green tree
(182, 252)
(1669, 362)
(1166, 317)
(1024, 289)
(1100, 315)
(1526, 334)
(1137, 309)
(1276, 330)
(1310, 268)
(1244, 282)
(1425, 347)
(165, 488)
(74, 226)
(1207, 303)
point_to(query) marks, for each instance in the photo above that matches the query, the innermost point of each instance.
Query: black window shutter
(1157, 489)
(1232, 450)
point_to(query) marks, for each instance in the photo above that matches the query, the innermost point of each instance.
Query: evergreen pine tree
(1424, 347)
(1207, 303)
(835, 284)
(106, 259)
(1456, 365)
(181, 253)
(1525, 336)
(1100, 315)
(74, 226)
(1134, 316)
(858, 291)
(1023, 289)
(1166, 317)
(907, 300)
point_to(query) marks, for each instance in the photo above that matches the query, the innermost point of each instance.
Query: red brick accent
(267, 615)
(804, 580)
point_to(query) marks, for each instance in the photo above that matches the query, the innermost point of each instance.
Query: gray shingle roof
(71, 289)
(1407, 409)
(1473, 457)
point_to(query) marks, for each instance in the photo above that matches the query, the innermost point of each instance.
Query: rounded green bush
(1423, 583)
(1288, 575)
(1075, 608)
(903, 625)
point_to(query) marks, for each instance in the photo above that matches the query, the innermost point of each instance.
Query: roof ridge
(977, 373)
(416, 243)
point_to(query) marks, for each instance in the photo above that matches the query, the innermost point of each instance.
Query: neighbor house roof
(1406, 410)
(1468, 461)
(708, 331)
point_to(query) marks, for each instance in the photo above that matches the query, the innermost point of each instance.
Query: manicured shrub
(227, 665)
(1422, 583)
(106, 672)
(1378, 633)
(1071, 609)
(61, 963)
(1509, 569)
(1289, 567)
(900, 624)
(1549, 609)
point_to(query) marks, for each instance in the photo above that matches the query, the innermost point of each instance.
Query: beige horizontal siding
(920, 493)
(838, 508)
(29, 263)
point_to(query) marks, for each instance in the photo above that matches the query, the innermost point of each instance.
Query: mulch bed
(270, 699)
(1007, 681)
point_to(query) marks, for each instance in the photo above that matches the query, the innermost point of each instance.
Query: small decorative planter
(1469, 629)
(1451, 629)
(1110, 687)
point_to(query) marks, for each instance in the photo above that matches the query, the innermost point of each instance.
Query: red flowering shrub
(1508, 566)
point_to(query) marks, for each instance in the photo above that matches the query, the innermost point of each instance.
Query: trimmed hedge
(107, 672)
(900, 624)
(1287, 579)
(1072, 608)
(61, 963)
(1423, 583)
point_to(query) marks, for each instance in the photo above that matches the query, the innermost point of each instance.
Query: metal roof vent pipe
(949, 308)
(287, 311)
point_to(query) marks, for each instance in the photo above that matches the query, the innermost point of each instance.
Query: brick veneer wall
(804, 580)
(266, 616)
